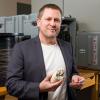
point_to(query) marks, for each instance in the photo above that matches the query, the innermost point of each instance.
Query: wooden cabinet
(90, 89)
(3, 91)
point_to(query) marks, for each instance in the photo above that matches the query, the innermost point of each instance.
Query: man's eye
(48, 19)
(57, 20)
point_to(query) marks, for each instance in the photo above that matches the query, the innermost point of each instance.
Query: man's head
(52, 6)
(49, 22)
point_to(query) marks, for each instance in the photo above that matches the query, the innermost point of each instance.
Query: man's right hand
(46, 85)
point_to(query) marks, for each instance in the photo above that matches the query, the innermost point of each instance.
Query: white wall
(87, 12)
(8, 7)
(37, 4)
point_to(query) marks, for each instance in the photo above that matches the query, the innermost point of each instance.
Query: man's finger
(48, 77)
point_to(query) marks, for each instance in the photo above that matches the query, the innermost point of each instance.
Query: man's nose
(52, 23)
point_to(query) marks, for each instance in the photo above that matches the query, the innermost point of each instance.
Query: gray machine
(19, 24)
(88, 50)
(68, 31)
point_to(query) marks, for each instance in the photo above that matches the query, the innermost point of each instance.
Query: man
(34, 62)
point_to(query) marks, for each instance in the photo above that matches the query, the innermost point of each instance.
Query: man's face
(49, 23)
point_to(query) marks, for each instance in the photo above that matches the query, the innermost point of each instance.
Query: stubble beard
(51, 36)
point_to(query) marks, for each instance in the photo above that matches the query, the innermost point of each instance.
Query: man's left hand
(77, 81)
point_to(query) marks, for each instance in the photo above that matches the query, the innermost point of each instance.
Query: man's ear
(38, 22)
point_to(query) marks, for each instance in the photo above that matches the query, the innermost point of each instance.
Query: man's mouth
(53, 30)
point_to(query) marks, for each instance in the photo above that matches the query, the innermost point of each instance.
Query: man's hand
(46, 85)
(77, 81)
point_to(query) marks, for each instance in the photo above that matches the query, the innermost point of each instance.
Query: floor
(8, 97)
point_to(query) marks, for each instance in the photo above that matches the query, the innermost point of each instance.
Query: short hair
(52, 6)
